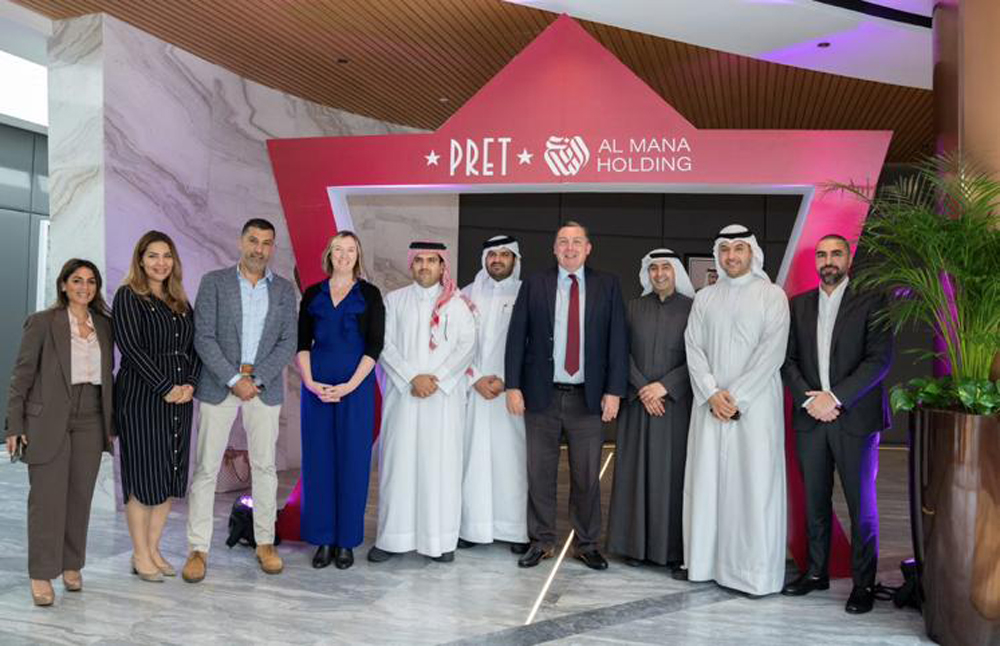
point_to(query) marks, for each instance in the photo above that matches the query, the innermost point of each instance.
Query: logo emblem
(566, 155)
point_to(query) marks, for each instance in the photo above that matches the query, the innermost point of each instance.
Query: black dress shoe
(679, 573)
(534, 556)
(862, 600)
(631, 562)
(519, 548)
(323, 556)
(377, 555)
(593, 560)
(464, 544)
(447, 557)
(805, 584)
(343, 557)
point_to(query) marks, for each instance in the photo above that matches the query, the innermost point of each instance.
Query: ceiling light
(823, 44)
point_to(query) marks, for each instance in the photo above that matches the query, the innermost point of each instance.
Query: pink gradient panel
(566, 111)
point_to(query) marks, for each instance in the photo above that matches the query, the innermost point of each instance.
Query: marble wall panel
(148, 136)
(388, 223)
(76, 136)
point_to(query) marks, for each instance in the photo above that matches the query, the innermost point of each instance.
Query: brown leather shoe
(72, 580)
(194, 568)
(269, 560)
(42, 593)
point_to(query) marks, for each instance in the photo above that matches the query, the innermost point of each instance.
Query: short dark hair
(257, 223)
(839, 238)
(574, 223)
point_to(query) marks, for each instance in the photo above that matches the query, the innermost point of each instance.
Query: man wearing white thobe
(734, 485)
(430, 337)
(495, 480)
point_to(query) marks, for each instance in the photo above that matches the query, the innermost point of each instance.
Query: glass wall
(24, 214)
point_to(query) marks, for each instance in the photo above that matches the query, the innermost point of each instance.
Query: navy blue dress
(337, 438)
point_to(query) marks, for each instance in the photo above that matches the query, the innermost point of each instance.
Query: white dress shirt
(826, 318)
(561, 319)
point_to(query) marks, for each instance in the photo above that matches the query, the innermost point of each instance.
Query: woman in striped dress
(154, 332)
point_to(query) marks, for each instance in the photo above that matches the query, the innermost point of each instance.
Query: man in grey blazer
(245, 333)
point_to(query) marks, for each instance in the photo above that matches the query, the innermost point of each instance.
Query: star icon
(524, 157)
(432, 159)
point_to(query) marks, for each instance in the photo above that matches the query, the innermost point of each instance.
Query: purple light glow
(246, 501)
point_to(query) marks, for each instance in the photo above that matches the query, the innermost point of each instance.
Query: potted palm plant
(932, 240)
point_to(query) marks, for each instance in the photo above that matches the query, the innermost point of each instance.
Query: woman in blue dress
(341, 329)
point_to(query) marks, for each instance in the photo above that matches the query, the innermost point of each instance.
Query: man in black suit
(566, 365)
(838, 356)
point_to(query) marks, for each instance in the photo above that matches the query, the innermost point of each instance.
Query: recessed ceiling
(782, 31)
(416, 63)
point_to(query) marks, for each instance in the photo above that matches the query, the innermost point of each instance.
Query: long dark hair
(98, 305)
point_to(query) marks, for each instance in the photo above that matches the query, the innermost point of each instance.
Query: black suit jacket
(860, 356)
(528, 361)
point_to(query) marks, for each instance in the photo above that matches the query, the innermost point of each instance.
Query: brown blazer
(39, 401)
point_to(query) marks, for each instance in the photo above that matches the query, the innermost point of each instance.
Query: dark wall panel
(623, 226)
(17, 149)
(40, 176)
(514, 211)
(700, 216)
(617, 214)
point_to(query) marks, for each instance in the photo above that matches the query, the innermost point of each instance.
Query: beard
(426, 278)
(499, 272)
(831, 275)
(735, 270)
(255, 262)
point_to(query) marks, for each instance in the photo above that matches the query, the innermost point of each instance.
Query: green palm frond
(938, 226)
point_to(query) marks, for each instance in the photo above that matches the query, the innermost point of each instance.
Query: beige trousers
(216, 421)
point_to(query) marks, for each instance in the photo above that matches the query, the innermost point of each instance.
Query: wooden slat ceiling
(416, 62)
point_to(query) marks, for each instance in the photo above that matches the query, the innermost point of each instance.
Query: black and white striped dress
(156, 346)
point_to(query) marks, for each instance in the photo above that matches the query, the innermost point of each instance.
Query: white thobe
(495, 480)
(420, 466)
(734, 484)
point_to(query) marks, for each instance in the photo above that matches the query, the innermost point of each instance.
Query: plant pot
(955, 510)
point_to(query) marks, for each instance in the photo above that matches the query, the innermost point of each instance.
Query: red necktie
(573, 328)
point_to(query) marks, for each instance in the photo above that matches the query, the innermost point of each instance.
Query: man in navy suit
(566, 365)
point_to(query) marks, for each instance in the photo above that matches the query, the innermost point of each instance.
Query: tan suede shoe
(42, 593)
(72, 580)
(194, 568)
(269, 560)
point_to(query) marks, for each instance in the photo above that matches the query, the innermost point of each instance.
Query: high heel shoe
(45, 597)
(166, 569)
(150, 577)
(72, 584)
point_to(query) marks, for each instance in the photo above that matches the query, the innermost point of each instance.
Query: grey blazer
(218, 332)
(39, 401)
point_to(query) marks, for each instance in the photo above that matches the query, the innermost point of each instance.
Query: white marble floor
(483, 597)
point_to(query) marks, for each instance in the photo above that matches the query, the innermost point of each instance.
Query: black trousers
(568, 411)
(856, 460)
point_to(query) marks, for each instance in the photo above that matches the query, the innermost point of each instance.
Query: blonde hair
(137, 280)
(328, 254)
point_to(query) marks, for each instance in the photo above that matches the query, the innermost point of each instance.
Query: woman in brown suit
(59, 418)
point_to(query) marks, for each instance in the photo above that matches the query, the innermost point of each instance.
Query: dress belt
(568, 387)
